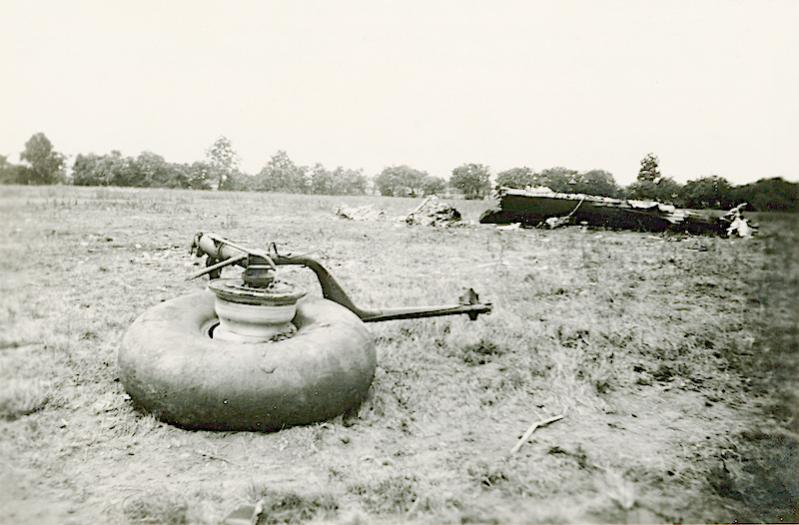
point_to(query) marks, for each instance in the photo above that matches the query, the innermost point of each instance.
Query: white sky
(710, 87)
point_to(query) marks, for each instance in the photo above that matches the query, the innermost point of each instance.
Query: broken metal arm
(223, 253)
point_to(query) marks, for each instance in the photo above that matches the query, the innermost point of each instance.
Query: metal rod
(257, 253)
(232, 253)
(209, 269)
(418, 312)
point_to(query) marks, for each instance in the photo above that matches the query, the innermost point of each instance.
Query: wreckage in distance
(537, 206)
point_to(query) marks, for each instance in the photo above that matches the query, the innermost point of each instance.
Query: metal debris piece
(538, 206)
(219, 249)
(531, 429)
(557, 222)
(242, 515)
(433, 212)
(739, 226)
(362, 213)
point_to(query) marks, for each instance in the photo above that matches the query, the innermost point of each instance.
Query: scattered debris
(243, 515)
(433, 212)
(542, 206)
(557, 222)
(278, 506)
(208, 455)
(511, 226)
(533, 427)
(362, 213)
(738, 224)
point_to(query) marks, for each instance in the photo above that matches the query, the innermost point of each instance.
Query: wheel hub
(256, 308)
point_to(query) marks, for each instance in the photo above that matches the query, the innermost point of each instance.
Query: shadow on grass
(283, 506)
(20, 398)
(157, 507)
(393, 495)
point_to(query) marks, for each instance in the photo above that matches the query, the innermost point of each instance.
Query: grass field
(673, 358)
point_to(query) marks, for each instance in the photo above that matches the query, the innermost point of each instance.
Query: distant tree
(774, 194)
(9, 173)
(146, 170)
(341, 181)
(321, 180)
(153, 171)
(105, 170)
(401, 181)
(386, 181)
(708, 192)
(472, 180)
(433, 185)
(665, 190)
(199, 175)
(224, 163)
(119, 170)
(350, 181)
(44, 164)
(559, 179)
(650, 170)
(597, 182)
(85, 171)
(516, 178)
(281, 174)
(5, 170)
(562, 180)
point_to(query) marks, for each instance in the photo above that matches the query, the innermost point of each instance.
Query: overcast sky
(710, 87)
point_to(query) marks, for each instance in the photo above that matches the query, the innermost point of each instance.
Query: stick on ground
(526, 436)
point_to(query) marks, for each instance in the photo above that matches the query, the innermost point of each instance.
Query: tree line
(42, 164)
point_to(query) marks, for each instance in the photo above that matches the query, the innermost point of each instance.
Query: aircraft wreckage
(542, 206)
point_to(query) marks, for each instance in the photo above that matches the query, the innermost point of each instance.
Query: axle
(221, 252)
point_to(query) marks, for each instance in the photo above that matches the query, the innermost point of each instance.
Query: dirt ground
(673, 359)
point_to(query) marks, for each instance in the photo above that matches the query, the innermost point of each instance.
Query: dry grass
(157, 507)
(282, 506)
(674, 359)
(22, 397)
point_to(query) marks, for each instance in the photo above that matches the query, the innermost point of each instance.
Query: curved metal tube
(208, 244)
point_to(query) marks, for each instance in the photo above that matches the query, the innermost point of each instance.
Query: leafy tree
(5, 170)
(665, 190)
(10, 173)
(104, 170)
(774, 194)
(350, 181)
(120, 171)
(472, 180)
(224, 163)
(708, 192)
(596, 182)
(152, 171)
(401, 181)
(322, 182)
(649, 170)
(281, 174)
(559, 179)
(517, 178)
(199, 175)
(433, 185)
(44, 164)
(341, 181)
(85, 171)
(146, 170)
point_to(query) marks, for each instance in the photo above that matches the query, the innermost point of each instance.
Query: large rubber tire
(174, 370)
